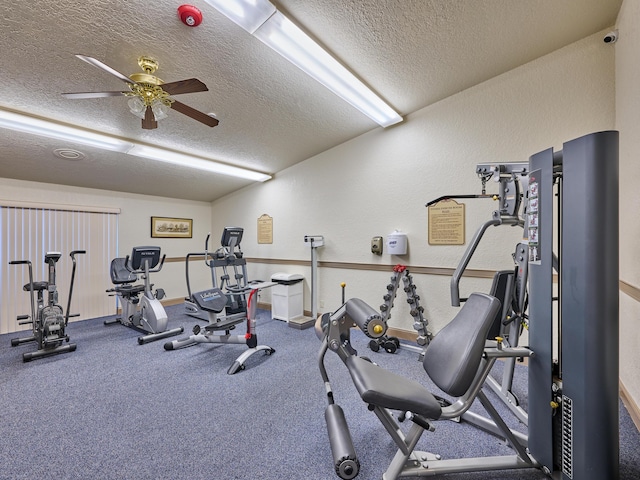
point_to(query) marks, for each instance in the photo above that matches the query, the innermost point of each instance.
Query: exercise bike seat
(128, 290)
(37, 286)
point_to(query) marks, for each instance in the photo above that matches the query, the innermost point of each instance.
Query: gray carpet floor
(114, 409)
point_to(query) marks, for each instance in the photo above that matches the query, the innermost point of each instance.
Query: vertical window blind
(27, 233)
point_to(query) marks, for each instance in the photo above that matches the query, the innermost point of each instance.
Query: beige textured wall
(381, 181)
(628, 123)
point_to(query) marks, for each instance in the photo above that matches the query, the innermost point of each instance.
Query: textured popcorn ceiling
(411, 52)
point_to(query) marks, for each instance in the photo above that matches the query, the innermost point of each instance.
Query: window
(28, 232)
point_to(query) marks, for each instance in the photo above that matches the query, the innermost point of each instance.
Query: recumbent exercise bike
(48, 323)
(141, 307)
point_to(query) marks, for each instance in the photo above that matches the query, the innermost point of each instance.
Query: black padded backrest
(119, 273)
(453, 356)
(501, 281)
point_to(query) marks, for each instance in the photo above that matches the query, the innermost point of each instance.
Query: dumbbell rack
(420, 323)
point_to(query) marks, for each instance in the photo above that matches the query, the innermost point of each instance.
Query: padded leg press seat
(385, 389)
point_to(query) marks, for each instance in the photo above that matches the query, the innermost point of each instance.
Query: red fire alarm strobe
(190, 15)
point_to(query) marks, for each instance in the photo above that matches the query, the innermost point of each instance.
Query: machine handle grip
(127, 264)
(159, 266)
(77, 252)
(19, 262)
(449, 197)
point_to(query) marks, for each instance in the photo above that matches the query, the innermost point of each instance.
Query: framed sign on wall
(167, 227)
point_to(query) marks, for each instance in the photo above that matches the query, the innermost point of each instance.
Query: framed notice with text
(446, 223)
(265, 229)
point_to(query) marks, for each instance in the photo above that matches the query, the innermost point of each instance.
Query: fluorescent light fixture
(45, 128)
(189, 161)
(249, 14)
(283, 36)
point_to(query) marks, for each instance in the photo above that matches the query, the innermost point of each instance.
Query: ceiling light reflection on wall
(264, 21)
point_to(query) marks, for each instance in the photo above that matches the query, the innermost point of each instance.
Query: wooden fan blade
(184, 86)
(92, 94)
(106, 68)
(193, 113)
(149, 121)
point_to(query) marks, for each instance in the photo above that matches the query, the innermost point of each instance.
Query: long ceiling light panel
(261, 19)
(189, 161)
(45, 128)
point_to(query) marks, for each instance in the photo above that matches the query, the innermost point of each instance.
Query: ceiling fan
(150, 97)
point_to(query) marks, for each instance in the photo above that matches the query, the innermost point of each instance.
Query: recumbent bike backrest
(119, 273)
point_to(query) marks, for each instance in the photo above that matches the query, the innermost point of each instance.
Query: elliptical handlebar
(20, 262)
(31, 289)
(73, 275)
(206, 251)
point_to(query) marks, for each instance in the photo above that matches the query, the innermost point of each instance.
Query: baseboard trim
(631, 405)
(402, 334)
(172, 301)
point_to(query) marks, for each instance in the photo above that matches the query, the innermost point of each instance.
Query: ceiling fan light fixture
(137, 106)
(160, 110)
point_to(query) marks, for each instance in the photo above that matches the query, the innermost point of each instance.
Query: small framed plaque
(265, 229)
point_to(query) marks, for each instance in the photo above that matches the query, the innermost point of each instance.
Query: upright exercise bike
(48, 323)
(141, 307)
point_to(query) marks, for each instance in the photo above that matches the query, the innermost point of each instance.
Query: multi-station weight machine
(573, 430)
(509, 286)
